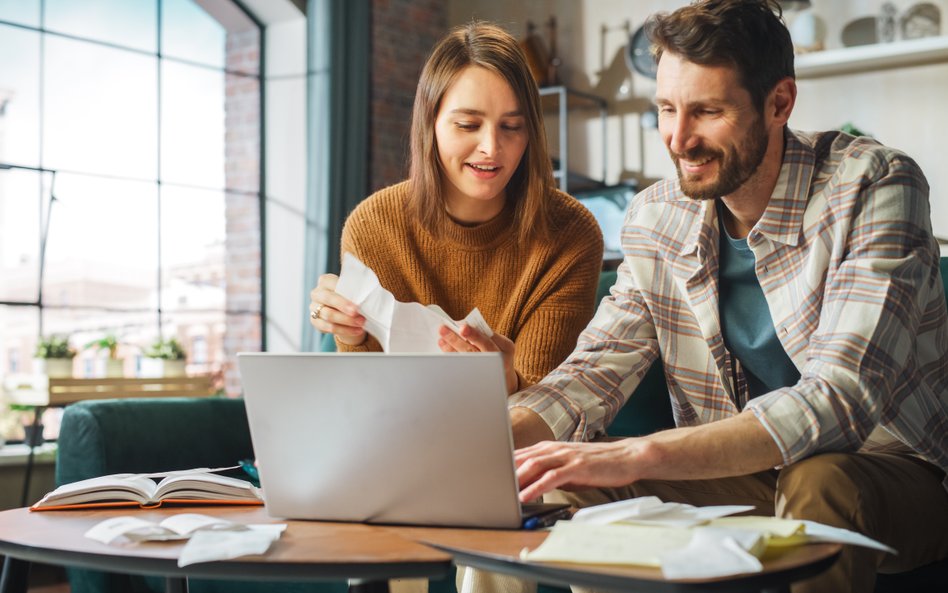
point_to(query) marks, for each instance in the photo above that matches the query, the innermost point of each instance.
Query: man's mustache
(698, 153)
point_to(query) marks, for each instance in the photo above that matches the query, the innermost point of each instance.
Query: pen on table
(548, 519)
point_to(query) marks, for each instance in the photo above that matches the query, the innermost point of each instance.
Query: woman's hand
(331, 313)
(472, 340)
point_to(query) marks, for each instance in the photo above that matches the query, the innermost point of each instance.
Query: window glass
(24, 12)
(102, 243)
(17, 343)
(190, 33)
(192, 125)
(19, 96)
(128, 23)
(201, 334)
(192, 249)
(138, 148)
(212, 32)
(101, 110)
(133, 331)
(18, 338)
(20, 195)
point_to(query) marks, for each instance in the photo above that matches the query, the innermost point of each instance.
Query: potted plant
(53, 357)
(170, 356)
(114, 366)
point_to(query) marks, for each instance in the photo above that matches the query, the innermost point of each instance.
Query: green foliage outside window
(168, 349)
(54, 347)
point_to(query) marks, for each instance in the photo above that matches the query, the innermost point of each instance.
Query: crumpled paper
(208, 538)
(399, 327)
(686, 542)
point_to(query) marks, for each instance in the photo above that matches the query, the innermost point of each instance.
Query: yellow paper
(609, 544)
(779, 532)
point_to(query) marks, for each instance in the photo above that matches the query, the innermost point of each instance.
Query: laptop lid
(387, 438)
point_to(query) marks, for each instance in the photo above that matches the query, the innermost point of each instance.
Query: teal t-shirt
(748, 329)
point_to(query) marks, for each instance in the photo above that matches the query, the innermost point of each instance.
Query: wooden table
(366, 555)
(500, 552)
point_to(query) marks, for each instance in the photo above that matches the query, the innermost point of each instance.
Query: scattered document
(617, 543)
(713, 553)
(685, 542)
(209, 538)
(650, 510)
(399, 327)
(176, 527)
(818, 532)
(208, 546)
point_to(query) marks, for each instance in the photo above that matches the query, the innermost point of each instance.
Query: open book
(198, 486)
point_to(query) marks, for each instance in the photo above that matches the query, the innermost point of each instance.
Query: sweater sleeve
(351, 235)
(562, 303)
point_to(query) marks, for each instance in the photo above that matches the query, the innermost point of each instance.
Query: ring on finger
(315, 313)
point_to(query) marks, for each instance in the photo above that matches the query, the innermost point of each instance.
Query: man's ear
(781, 101)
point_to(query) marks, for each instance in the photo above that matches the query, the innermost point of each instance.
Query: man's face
(715, 136)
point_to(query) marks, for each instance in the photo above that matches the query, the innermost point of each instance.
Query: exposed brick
(403, 33)
(242, 149)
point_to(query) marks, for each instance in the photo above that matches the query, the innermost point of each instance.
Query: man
(790, 284)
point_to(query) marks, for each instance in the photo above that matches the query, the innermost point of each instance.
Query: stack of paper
(686, 542)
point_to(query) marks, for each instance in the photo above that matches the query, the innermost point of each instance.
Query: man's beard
(735, 166)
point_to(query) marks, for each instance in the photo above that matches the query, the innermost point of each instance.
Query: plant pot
(53, 367)
(114, 368)
(159, 367)
(174, 368)
(33, 435)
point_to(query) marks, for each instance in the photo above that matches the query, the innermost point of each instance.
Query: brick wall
(242, 172)
(403, 33)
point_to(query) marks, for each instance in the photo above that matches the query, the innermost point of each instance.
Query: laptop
(418, 439)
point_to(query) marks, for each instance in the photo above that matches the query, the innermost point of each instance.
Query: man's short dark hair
(747, 35)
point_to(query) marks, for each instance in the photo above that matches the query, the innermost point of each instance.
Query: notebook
(420, 439)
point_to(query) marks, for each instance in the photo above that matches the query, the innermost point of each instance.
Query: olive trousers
(894, 498)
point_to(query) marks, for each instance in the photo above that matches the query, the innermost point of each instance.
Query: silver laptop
(384, 438)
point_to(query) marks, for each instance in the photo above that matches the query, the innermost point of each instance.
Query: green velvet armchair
(99, 437)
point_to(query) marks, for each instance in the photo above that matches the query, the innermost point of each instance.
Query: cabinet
(561, 100)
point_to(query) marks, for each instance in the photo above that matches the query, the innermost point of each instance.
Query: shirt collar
(782, 221)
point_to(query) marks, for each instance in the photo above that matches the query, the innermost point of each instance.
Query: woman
(479, 222)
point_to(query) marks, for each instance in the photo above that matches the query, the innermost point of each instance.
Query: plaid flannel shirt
(849, 267)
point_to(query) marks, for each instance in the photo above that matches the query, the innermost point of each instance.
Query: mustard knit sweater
(540, 295)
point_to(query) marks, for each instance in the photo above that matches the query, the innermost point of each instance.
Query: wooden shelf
(39, 390)
(561, 100)
(870, 58)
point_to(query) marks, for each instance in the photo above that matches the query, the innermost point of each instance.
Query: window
(129, 178)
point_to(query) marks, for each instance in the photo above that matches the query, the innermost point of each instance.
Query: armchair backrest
(101, 437)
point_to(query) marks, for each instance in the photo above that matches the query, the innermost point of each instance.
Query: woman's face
(481, 135)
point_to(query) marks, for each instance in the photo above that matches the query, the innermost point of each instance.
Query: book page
(206, 486)
(131, 487)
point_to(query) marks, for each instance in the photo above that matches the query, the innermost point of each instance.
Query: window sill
(17, 455)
